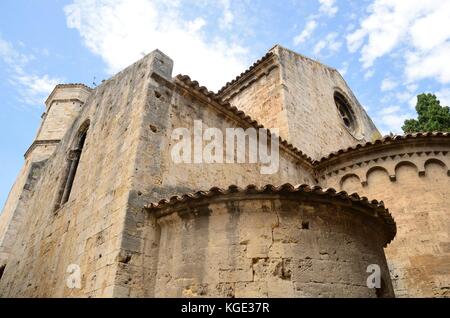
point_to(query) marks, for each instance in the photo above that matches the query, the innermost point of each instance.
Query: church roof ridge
(264, 58)
(244, 73)
(306, 57)
(233, 109)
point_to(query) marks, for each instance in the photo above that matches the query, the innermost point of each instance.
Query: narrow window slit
(71, 167)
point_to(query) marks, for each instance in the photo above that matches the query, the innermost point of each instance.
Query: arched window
(71, 167)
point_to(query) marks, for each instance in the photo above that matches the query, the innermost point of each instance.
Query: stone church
(99, 208)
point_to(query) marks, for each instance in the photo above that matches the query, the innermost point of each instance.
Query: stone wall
(63, 107)
(87, 230)
(16, 207)
(124, 165)
(175, 105)
(259, 94)
(296, 94)
(412, 177)
(269, 243)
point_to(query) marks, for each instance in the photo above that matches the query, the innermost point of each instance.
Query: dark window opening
(347, 122)
(71, 168)
(2, 270)
(305, 225)
(345, 111)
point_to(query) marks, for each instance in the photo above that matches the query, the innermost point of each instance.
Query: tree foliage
(431, 116)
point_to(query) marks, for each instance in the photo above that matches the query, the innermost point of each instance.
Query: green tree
(431, 116)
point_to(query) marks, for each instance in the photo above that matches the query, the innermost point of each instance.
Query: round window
(346, 112)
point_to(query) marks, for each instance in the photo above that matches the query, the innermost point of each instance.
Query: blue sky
(387, 50)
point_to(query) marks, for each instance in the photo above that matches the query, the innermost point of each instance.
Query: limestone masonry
(100, 209)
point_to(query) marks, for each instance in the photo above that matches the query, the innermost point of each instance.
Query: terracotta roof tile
(233, 109)
(384, 140)
(237, 78)
(377, 206)
(73, 85)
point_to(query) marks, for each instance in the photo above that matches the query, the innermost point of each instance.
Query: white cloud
(328, 7)
(344, 68)
(228, 16)
(369, 74)
(408, 96)
(412, 87)
(393, 122)
(444, 96)
(433, 28)
(391, 119)
(306, 33)
(429, 64)
(388, 84)
(330, 42)
(420, 28)
(12, 57)
(119, 31)
(412, 101)
(389, 110)
(32, 88)
(404, 96)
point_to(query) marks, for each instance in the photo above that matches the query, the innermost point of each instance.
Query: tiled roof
(226, 105)
(233, 109)
(383, 141)
(73, 85)
(377, 207)
(237, 78)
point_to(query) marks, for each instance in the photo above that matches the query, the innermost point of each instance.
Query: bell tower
(62, 107)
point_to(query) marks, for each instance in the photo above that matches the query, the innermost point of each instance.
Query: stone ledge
(381, 142)
(303, 192)
(70, 85)
(40, 143)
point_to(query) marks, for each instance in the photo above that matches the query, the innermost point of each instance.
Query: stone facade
(270, 242)
(411, 175)
(295, 93)
(62, 107)
(102, 156)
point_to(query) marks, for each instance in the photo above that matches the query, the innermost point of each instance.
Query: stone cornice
(351, 165)
(40, 143)
(73, 85)
(63, 100)
(306, 193)
(386, 143)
